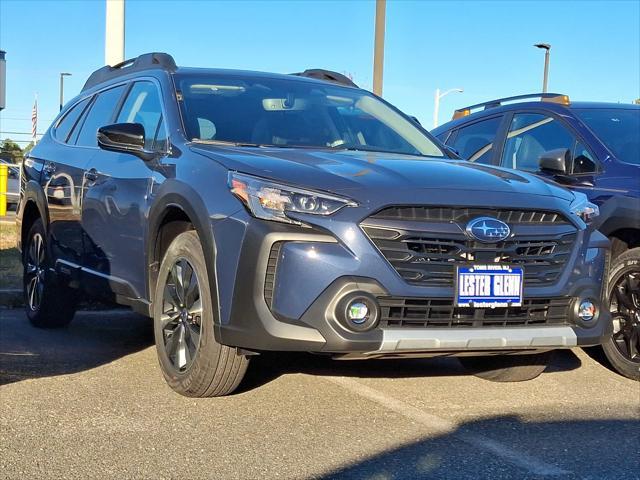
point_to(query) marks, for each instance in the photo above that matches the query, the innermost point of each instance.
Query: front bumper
(293, 308)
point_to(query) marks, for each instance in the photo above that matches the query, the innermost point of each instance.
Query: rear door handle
(91, 175)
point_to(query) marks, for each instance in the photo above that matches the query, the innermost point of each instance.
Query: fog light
(358, 312)
(587, 310)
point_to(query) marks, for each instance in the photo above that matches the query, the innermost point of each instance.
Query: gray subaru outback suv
(249, 212)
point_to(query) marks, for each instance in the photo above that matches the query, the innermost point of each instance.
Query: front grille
(270, 277)
(459, 215)
(441, 313)
(424, 244)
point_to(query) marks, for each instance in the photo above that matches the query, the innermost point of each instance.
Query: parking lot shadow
(507, 447)
(269, 366)
(92, 339)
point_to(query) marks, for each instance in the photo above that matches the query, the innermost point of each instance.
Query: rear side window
(475, 142)
(100, 115)
(64, 126)
(143, 106)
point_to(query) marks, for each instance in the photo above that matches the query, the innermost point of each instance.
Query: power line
(18, 133)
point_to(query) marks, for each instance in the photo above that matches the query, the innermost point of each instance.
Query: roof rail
(145, 61)
(327, 76)
(544, 97)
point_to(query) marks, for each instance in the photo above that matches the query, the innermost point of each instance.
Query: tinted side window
(475, 142)
(443, 136)
(530, 135)
(143, 106)
(160, 143)
(100, 115)
(582, 160)
(64, 126)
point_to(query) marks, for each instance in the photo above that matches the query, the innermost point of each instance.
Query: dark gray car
(248, 212)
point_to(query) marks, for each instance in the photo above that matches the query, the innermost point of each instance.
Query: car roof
(150, 64)
(537, 105)
(225, 72)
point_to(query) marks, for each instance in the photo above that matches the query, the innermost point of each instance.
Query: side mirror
(453, 153)
(124, 137)
(555, 161)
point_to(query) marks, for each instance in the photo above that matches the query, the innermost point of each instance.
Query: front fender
(179, 195)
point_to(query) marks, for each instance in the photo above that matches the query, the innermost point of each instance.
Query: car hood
(348, 172)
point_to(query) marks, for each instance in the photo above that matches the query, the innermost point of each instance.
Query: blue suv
(593, 148)
(249, 212)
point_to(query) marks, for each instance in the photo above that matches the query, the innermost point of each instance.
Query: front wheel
(623, 347)
(193, 363)
(508, 368)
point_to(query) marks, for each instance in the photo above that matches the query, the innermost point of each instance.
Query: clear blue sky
(484, 47)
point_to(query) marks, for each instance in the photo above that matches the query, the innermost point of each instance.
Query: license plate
(489, 286)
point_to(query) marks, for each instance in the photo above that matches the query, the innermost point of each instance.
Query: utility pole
(378, 53)
(114, 33)
(545, 79)
(62, 75)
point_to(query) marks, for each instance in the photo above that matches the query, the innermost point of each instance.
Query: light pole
(547, 48)
(62, 75)
(378, 49)
(436, 107)
(3, 79)
(114, 32)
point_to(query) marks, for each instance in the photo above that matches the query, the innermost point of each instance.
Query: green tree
(28, 148)
(11, 151)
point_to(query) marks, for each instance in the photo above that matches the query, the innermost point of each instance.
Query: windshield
(619, 130)
(293, 113)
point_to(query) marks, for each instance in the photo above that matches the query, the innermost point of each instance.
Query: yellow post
(4, 175)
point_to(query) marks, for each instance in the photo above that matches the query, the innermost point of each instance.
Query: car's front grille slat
(414, 240)
(444, 214)
(399, 312)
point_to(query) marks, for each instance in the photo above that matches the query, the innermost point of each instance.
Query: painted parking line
(442, 426)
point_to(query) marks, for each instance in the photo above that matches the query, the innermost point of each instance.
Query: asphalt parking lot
(89, 401)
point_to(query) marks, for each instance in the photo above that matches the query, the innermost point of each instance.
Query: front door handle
(91, 175)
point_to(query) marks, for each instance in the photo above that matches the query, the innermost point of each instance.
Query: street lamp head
(545, 46)
(65, 74)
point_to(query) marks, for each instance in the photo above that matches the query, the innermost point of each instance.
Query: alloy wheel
(181, 320)
(35, 271)
(625, 310)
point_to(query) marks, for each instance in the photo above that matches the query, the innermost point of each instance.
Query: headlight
(272, 201)
(582, 207)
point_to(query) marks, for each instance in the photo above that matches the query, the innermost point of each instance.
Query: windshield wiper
(351, 148)
(227, 143)
(362, 148)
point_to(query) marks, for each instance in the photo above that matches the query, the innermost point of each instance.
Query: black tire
(192, 362)
(48, 303)
(622, 349)
(508, 368)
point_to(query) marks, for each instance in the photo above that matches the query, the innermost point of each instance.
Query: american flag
(34, 120)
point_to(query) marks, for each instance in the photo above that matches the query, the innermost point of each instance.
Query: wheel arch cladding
(177, 210)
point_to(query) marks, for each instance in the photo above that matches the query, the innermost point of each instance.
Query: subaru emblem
(488, 230)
